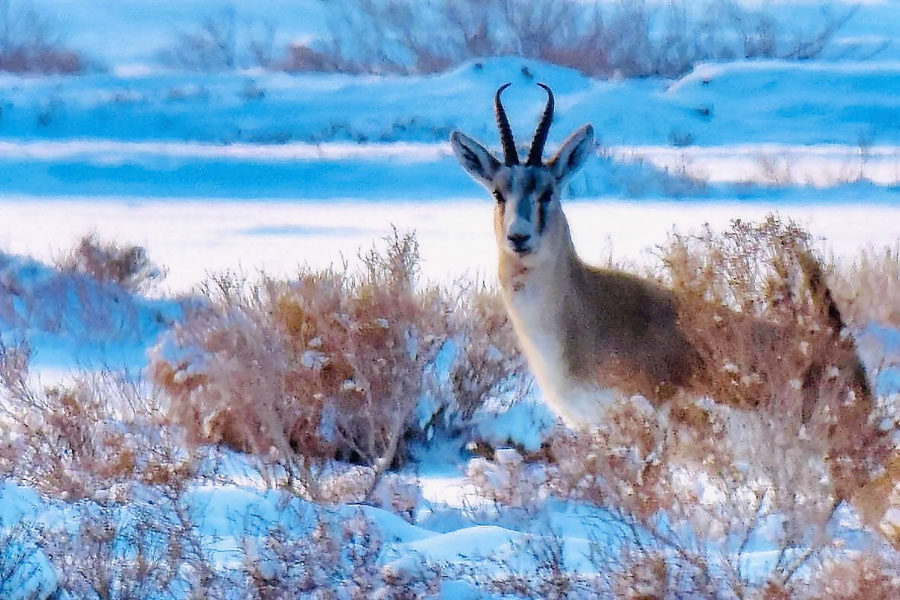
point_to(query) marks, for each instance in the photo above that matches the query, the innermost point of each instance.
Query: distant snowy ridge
(792, 103)
(709, 71)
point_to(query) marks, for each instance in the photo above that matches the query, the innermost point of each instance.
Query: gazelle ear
(474, 158)
(573, 153)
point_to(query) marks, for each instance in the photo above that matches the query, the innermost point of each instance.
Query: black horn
(510, 157)
(543, 128)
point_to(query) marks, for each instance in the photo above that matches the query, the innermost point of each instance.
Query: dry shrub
(210, 47)
(337, 559)
(20, 560)
(126, 266)
(755, 303)
(643, 577)
(328, 365)
(508, 479)
(156, 549)
(619, 463)
(490, 355)
(75, 307)
(144, 550)
(869, 288)
(633, 39)
(547, 578)
(96, 437)
(342, 483)
(223, 41)
(874, 573)
(30, 43)
(42, 60)
(398, 494)
(742, 485)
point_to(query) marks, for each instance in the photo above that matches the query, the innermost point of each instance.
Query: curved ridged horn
(510, 156)
(543, 128)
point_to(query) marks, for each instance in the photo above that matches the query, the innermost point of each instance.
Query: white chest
(538, 326)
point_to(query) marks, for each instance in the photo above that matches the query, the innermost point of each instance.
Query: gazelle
(593, 335)
(589, 334)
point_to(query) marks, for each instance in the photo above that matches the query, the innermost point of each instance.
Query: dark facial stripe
(542, 217)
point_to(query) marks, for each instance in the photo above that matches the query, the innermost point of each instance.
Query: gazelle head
(528, 221)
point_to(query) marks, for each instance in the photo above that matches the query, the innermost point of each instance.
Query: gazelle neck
(538, 295)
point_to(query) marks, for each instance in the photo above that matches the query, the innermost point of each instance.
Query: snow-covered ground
(251, 171)
(196, 238)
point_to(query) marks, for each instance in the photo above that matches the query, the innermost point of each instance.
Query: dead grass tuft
(756, 305)
(868, 289)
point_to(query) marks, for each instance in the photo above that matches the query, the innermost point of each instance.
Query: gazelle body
(592, 336)
(589, 335)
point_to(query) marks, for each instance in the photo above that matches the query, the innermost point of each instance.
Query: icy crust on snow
(68, 318)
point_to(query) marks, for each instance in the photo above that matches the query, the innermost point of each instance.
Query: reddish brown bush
(857, 575)
(29, 42)
(330, 364)
(868, 288)
(95, 437)
(755, 304)
(633, 39)
(123, 265)
(490, 353)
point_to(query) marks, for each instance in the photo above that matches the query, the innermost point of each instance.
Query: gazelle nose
(518, 241)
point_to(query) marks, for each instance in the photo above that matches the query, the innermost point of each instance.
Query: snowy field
(197, 238)
(251, 171)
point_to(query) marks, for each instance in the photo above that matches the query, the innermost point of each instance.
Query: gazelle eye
(546, 197)
(499, 197)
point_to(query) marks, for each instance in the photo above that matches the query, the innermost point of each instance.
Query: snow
(820, 166)
(193, 238)
(252, 171)
(524, 423)
(68, 318)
